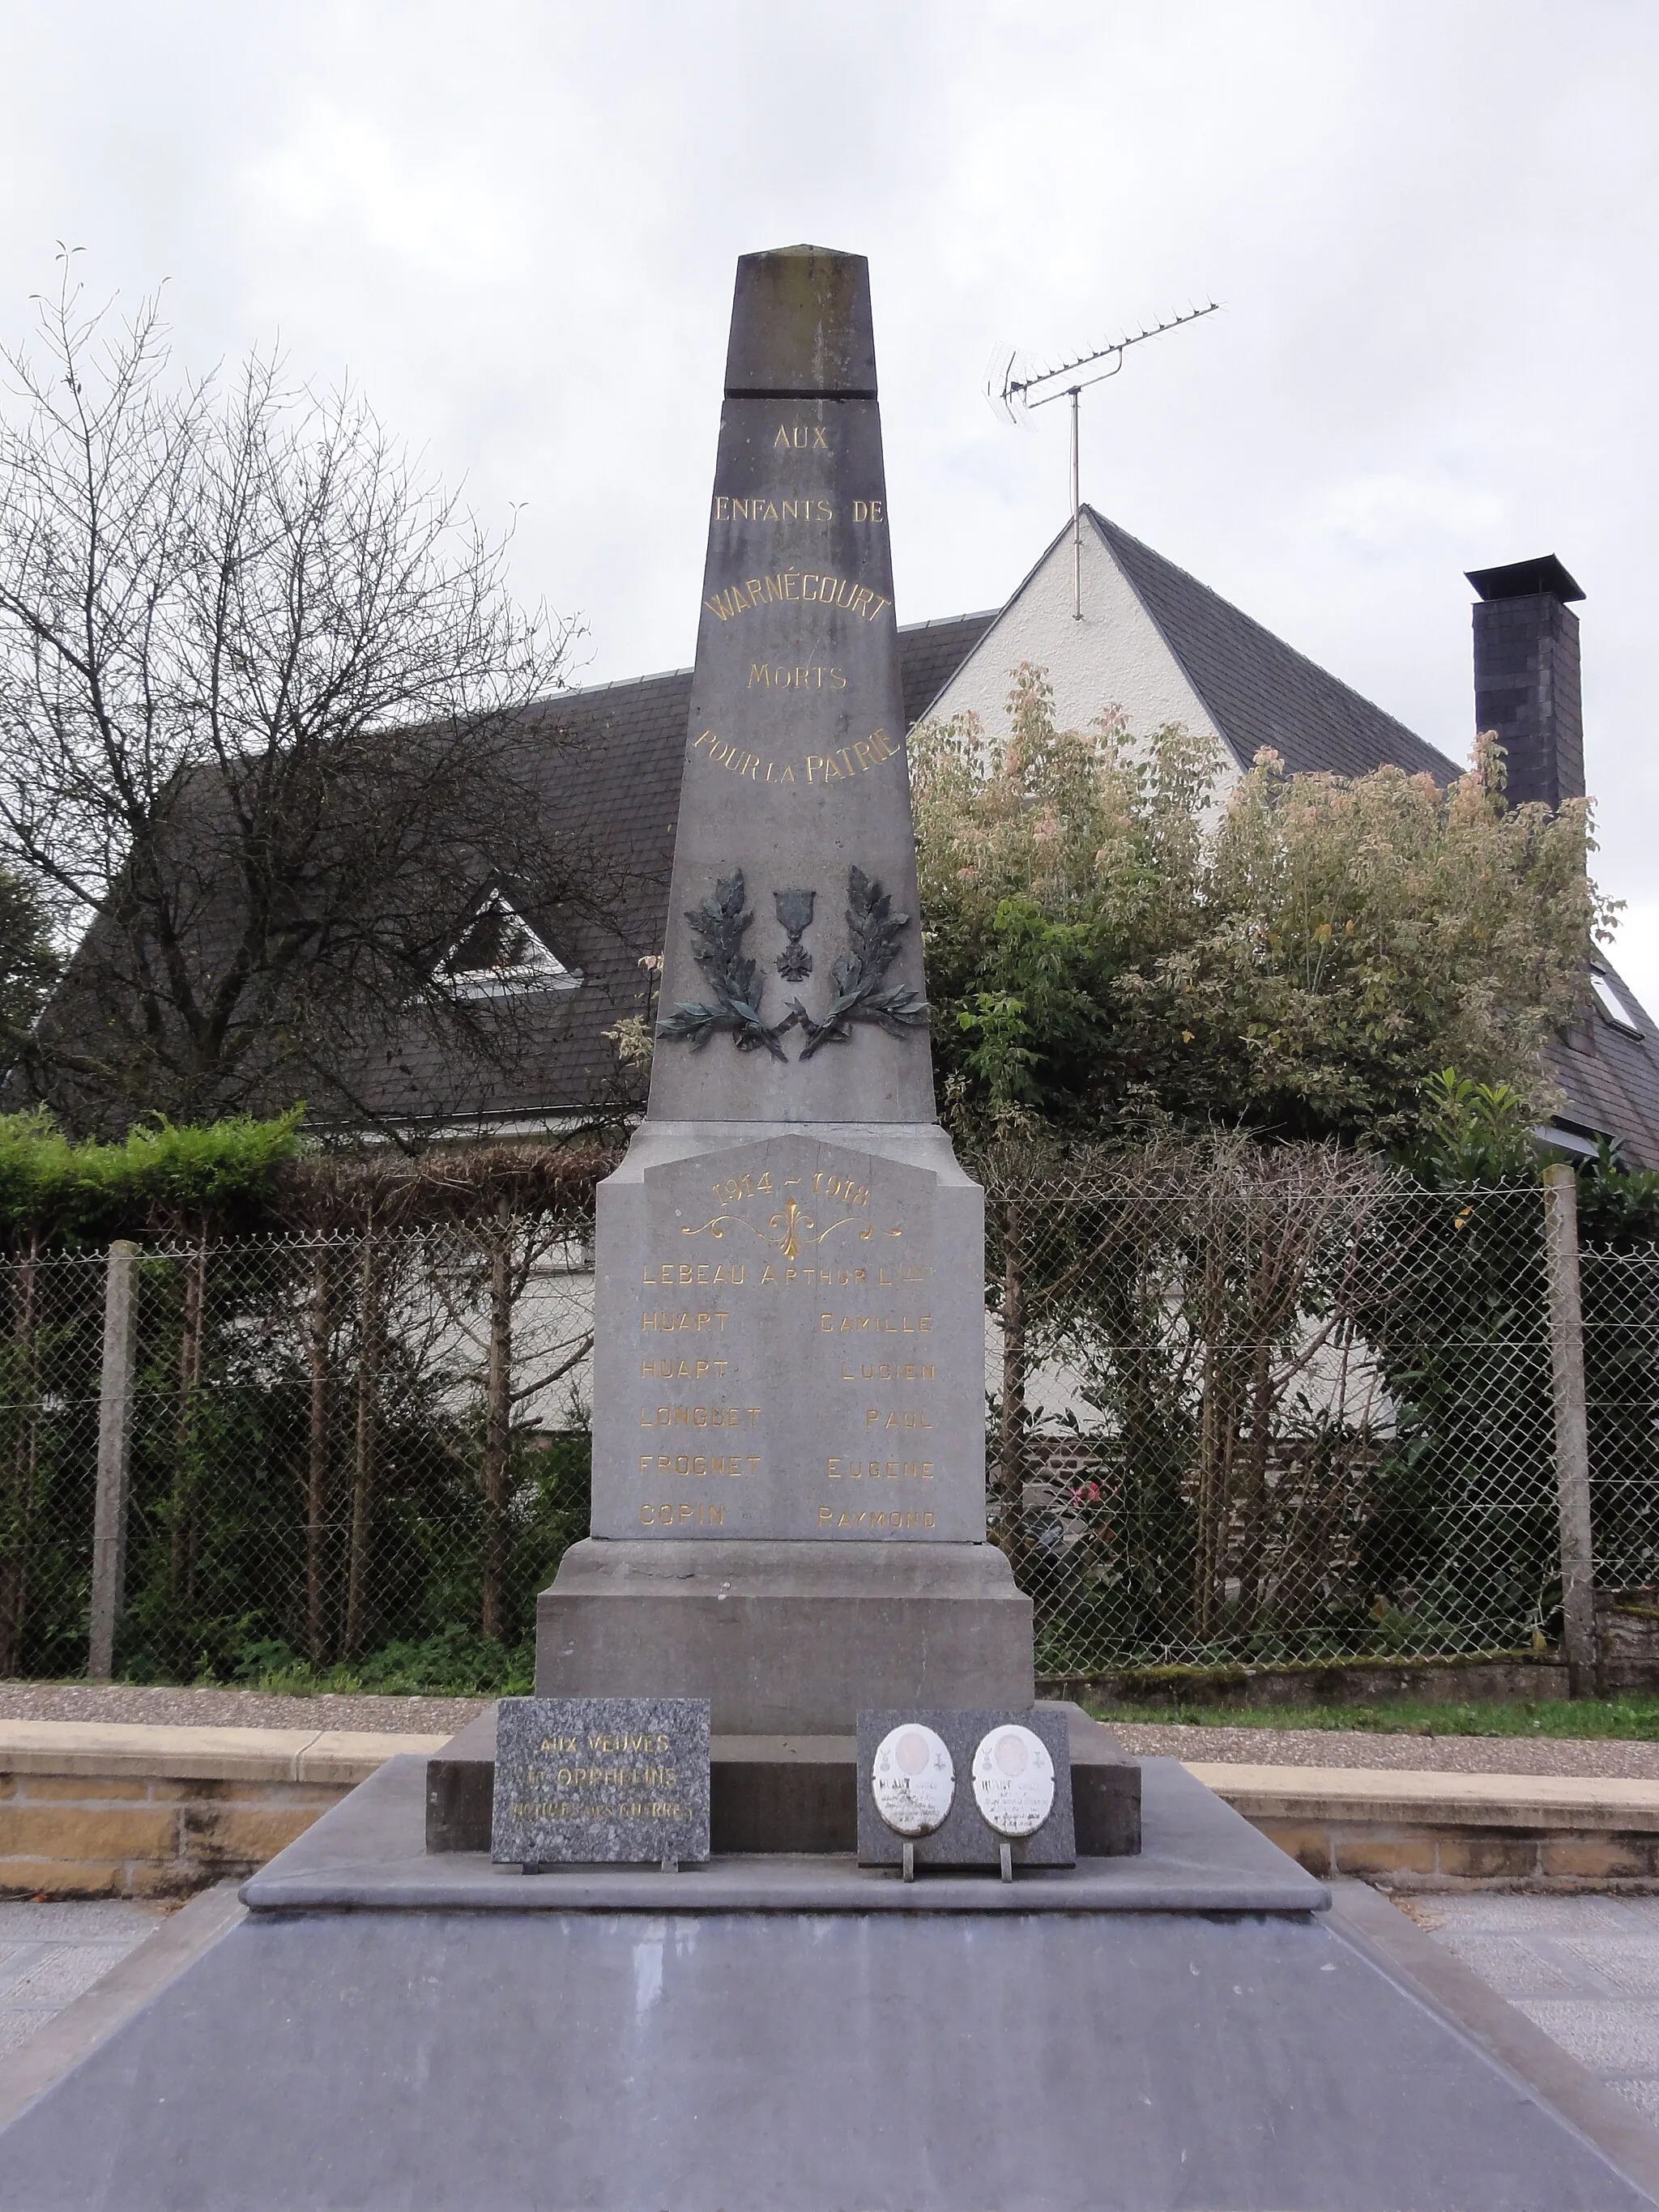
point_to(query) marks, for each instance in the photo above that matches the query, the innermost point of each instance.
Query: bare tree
(264, 709)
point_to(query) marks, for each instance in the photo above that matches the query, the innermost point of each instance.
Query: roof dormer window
(498, 953)
(1611, 997)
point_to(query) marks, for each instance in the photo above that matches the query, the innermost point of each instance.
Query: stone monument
(788, 1521)
(788, 1511)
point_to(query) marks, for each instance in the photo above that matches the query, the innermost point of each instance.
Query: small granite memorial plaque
(582, 1779)
(1013, 1788)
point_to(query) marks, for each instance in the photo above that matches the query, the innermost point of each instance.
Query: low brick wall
(93, 1810)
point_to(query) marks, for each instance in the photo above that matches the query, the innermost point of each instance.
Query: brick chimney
(1526, 677)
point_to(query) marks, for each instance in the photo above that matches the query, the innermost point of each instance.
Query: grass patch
(457, 1662)
(1633, 1718)
(454, 1664)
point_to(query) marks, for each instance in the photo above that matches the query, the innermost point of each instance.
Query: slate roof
(607, 760)
(1610, 1079)
(1257, 690)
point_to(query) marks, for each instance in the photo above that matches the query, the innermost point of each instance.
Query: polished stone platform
(391, 2032)
(368, 1853)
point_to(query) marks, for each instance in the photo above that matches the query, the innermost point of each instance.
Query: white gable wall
(1115, 657)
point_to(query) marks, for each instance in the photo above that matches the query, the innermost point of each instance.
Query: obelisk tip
(801, 326)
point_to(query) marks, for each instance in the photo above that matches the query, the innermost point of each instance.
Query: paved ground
(1445, 1754)
(1584, 1969)
(49, 1953)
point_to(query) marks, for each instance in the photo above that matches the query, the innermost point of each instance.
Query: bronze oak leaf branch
(873, 943)
(718, 925)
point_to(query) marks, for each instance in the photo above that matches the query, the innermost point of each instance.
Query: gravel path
(1248, 1746)
(171, 1708)
(1447, 1754)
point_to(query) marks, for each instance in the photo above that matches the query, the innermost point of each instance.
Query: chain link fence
(1243, 1407)
(333, 1445)
(1621, 1299)
(1261, 1408)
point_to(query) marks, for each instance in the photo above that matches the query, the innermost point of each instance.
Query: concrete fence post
(1572, 1492)
(109, 1523)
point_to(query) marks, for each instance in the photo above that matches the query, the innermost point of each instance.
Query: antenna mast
(1066, 380)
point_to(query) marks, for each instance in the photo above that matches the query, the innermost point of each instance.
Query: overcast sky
(513, 222)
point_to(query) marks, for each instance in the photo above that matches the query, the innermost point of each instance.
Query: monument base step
(787, 1794)
(1189, 2028)
(785, 1638)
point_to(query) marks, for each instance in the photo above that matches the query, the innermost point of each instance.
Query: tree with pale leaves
(1116, 932)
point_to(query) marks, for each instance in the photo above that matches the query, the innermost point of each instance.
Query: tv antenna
(1034, 387)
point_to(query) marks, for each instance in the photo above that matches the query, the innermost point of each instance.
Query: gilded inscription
(876, 1324)
(792, 1231)
(559, 1808)
(803, 437)
(817, 769)
(878, 1523)
(698, 1464)
(767, 677)
(699, 1417)
(801, 586)
(852, 760)
(734, 1188)
(749, 1258)
(721, 753)
(759, 509)
(878, 1470)
(695, 1274)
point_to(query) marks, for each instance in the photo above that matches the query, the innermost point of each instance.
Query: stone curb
(344, 1756)
(1400, 1797)
(139, 1751)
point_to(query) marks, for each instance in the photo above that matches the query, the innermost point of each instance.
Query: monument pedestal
(788, 1510)
(785, 1638)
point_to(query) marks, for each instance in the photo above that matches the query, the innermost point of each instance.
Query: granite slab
(616, 1779)
(964, 1839)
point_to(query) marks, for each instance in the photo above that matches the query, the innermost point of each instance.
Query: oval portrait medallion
(1013, 1780)
(912, 1779)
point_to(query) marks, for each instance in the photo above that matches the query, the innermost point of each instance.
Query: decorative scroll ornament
(794, 912)
(719, 923)
(873, 931)
(872, 944)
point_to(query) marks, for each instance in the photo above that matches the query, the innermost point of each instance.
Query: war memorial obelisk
(788, 1511)
(397, 2019)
